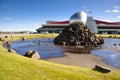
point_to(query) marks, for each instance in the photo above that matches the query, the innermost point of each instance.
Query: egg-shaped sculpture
(80, 17)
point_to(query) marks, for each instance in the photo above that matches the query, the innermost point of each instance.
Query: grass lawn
(109, 35)
(17, 67)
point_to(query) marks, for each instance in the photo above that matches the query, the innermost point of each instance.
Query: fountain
(78, 33)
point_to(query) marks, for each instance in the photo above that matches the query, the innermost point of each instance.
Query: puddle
(109, 56)
(47, 49)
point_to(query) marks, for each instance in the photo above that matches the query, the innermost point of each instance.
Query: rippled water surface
(47, 49)
(109, 56)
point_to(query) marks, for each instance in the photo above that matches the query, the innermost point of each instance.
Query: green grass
(109, 35)
(11, 38)
(17, 67)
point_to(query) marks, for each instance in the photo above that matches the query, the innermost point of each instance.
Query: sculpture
(80, 17)
(78, 33)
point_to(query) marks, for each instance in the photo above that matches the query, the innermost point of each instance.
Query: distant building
(53, 27)
(96, 26)
(108, 27)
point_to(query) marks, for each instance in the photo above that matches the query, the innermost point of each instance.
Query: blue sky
(19, 15)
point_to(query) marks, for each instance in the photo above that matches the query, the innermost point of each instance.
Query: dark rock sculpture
(78, 35)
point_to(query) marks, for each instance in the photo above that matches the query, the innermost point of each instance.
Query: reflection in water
(47, 49)
(109, 56)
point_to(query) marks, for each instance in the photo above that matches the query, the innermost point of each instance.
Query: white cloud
(106, 20)
(118, 17)
(115, 11)
(7, 19)
(107, 11)
(36, 24)
(116, 7)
